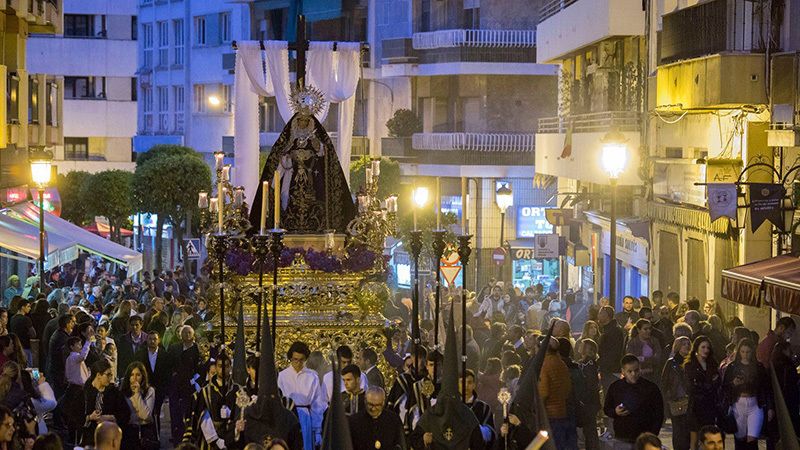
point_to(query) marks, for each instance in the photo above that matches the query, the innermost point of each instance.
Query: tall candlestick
(264, 196)
(464, 205)
(437, 203)
(220, 206)
(276, 187)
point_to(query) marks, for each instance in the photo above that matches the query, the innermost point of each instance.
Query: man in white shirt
(345, 356)
(302, 385)
(75, 370)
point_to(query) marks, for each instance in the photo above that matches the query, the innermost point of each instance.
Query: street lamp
(613, 158)
(41, 163)
(420, 196)
(214, 100)
(505, 199)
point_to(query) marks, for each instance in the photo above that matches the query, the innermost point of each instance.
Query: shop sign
(546, 246)
(723, 170)
(499, 256)
(532, 221)
(629, 250)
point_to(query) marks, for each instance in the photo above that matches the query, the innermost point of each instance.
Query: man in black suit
(57, 354)
(129, 344)
(157, 362)
(369, 359)
(185, 372)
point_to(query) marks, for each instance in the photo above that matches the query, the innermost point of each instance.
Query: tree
(404, 123)
(108, 194)
(167, 185)
(163, 150)
(388, 181)
(73, 206)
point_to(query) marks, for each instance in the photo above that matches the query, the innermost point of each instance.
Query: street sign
(499, 256)
(559, 216)
(192, 248)
(450, 273)
(546, 246)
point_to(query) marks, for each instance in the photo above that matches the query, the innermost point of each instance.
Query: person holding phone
(634, 404)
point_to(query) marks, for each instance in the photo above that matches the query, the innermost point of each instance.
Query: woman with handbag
(676, 393)
(747, 394)
(140, 431)
(703, 380)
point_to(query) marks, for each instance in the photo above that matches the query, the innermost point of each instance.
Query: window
(200, 30)
(76, 148)
(33, 99)
(163, 108)
(78, 25)
(199, 98)
(178, 105)
(147, 35)
(134, 28)
(227, 100)
(79, 87)
(147, 107)
(134, 89)
(225, 26)
(177, 29)
(163, 43)
(271, 121)
(52, 104)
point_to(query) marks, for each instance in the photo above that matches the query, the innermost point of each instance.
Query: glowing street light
(614, 158)
(41, 162)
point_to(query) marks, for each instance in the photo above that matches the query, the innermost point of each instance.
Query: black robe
(267, 420)
(211, 399)
(483, 412)
(475, 441)
(316, 175)
(386, 429)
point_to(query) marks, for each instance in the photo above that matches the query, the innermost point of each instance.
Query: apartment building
(185, 94)
(469, 71)
(96, 55)
(32, 109)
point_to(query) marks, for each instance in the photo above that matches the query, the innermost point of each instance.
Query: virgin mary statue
(314, 192)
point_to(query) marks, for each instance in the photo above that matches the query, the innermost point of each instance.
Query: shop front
(529, 270)
(632, 264)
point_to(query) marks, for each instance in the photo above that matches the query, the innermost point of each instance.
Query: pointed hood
(267, 375)
(450, 420)
(527, 404)
(336, 431)
(240, 352)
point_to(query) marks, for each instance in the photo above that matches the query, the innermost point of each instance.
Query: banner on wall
(723, 170)
(721, 200)
(766, 203)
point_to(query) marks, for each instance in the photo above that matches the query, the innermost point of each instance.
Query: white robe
(306, 391)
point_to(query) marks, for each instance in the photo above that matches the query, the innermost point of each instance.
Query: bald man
(107, 436)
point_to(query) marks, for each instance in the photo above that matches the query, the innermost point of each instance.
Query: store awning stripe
(783, 291)
(745, 284)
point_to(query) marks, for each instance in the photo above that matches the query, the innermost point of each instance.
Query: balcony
(711, 27)
(569, 25)
(570, 147)
(495, 149)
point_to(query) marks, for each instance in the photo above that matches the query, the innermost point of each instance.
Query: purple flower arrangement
(358, 259)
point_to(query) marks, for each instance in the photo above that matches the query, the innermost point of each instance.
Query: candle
(218, 158)
(226, 172)
(220, 206)
(391, 204)
(368, 172)
(414, 204)
(202, 200)
(464, 205)
(264, 197)
(539, 440)
(437, 203)
(329, 240)
(238, 196)
(376, 168)
(362, 202)
(213, 205)
(276, 187)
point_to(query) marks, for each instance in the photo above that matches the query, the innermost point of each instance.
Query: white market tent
(28, 213)
(22, 238)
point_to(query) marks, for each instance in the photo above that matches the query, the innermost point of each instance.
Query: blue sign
(531, 220)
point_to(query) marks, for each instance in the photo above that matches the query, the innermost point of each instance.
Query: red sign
(499, 256)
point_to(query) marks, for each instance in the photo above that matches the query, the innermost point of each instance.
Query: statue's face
(304, 121)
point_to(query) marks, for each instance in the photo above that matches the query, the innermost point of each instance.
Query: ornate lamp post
(504, 197)
(420, 197)
(613, 158)
(41, 164)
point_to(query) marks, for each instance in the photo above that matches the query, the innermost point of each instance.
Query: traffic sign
(499, 256)
(192, 248)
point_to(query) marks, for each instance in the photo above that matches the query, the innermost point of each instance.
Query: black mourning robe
(279, 423)
(318, 189)
(211, 399)
(387, 430)
(483, 412)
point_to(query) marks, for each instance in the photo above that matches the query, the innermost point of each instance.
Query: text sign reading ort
(532, 220)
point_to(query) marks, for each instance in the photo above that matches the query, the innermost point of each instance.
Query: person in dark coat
(159, 370)
(102, 402)
(369, 361)
(788, 380)
(50, 328)
(57, 354)
(634, 403)
(610, 347)
(376, 427)
(676, 393)
(703, 380)
(186, 357)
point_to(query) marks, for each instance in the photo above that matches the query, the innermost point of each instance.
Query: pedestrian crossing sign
(192, 248)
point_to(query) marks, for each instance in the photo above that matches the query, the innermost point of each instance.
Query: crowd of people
(85, 355)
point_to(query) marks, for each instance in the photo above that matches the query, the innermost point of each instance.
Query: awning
(744, 284)
(783, 290)
(85, 240)
(105, 231)
(22, 238)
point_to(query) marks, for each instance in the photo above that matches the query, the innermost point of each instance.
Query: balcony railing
(552, 7)
(592, 123)
(480, 142)
(474, 38)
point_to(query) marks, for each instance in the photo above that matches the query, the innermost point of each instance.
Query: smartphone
(35, 374)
